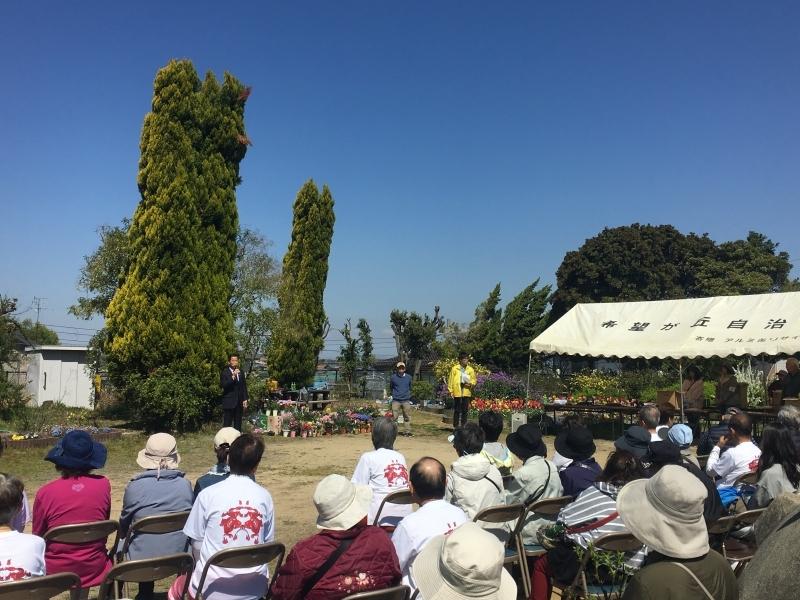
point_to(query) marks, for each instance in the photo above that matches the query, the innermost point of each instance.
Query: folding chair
(736, 550)
(403, 496)
(611, 542)
(401, 592)
(746, 479)
(156, 524)
(245, 557)
(505, 514)
(84, 533)
(548, 509)
(147, 569)
(702, 459)
(42, 588)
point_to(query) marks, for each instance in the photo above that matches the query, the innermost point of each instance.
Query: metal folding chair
(84, 533)
(736, 550)
(403, 496)
(514, 547)
(548, 509)
(245, 557)
(42, 588)
(155, 524)
(400, 592)
(611, 542)
(147, 569)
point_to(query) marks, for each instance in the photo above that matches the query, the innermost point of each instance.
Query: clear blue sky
(465, 143)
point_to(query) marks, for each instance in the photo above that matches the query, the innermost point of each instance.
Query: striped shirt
(597, 502)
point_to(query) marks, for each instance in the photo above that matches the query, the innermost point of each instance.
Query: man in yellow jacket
(460, 383)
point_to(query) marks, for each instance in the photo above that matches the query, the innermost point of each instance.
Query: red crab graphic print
(9, 572)
(396, 474)
(241, 519)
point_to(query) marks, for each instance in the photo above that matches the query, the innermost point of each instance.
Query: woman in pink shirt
(75, 497)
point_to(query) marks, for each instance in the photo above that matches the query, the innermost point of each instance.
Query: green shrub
(422, 390)
(170, 401)
(12, 398)
(643, 384)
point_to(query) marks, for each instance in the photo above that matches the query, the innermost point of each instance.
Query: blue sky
(465, 143)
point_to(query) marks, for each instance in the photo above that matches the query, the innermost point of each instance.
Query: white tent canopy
(766, 324)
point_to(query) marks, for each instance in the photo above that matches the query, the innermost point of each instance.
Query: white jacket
(531, 478)
(474, 484)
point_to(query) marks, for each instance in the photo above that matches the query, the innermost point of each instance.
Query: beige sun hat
(340, 503)
(160, 452)
(665, 512)
(468, 563)
(226, 435)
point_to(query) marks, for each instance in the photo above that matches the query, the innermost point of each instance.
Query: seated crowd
(650, 486)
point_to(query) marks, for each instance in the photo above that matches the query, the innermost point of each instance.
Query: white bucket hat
(665, 512)
(468, 563)
(340, 503)
(160, 452)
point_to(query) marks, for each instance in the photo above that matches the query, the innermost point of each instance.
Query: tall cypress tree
(170, 317)
(298, 337)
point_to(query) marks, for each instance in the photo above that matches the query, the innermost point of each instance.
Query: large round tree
(169, 324)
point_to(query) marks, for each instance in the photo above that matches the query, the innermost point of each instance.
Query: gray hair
(11, 490)
(650, 415)
(384, 433)
(789, 416)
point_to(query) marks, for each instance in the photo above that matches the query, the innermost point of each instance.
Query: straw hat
(665, 512)
(160, 452)
(468, 563)
(340, 503)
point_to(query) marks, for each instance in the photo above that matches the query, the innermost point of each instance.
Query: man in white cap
(346, 557)
(468, 563)
(665, 513)
(219, 472)
(400, 384)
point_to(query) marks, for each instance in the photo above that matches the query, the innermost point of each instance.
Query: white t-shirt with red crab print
(21, 556)
(438, 517)
(384, 471)
(735, 462)
(233, 513)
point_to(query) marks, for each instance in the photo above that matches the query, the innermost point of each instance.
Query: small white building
(58, 374)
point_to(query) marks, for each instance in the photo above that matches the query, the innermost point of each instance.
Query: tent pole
(528, 383)
(680, 377)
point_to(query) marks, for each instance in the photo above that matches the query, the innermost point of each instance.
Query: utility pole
(38, 303)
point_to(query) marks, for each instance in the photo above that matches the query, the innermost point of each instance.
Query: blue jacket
(710, 438)
(401, 387)
(579, 475)
(152, 493)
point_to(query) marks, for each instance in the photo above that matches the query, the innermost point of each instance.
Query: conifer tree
(171, 317)
(524, 318)
(299, 335)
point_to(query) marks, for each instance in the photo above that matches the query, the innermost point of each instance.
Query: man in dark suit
(234, 393)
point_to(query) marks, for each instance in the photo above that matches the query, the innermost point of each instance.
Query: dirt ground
(290, 469)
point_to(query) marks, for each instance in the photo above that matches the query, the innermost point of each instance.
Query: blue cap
(680, 435)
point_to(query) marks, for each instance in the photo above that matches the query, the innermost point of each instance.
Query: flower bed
(506, 407)
(290, 421)
(50, 435)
